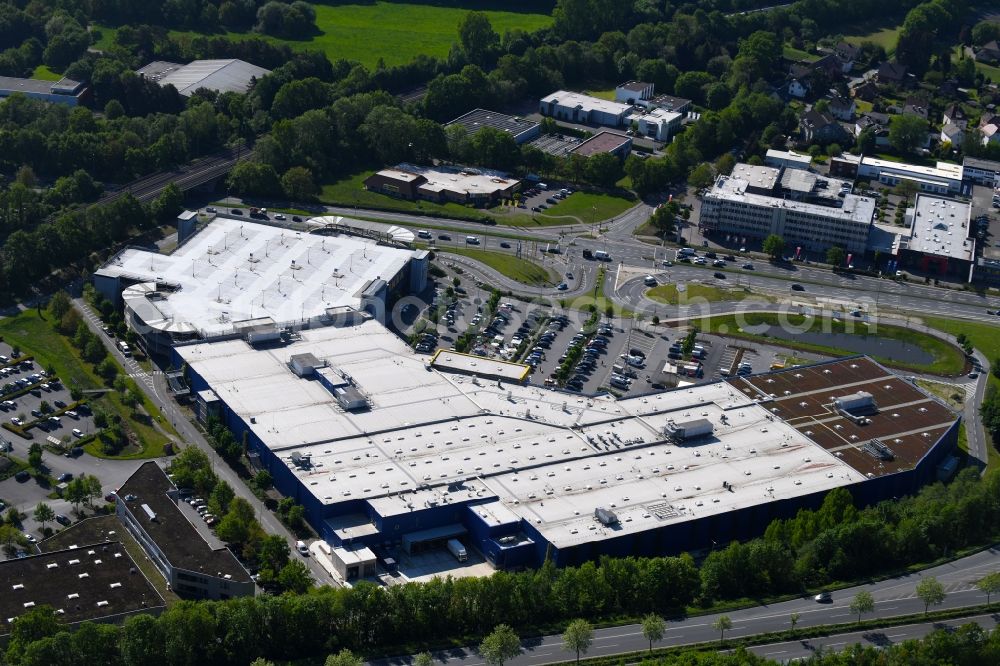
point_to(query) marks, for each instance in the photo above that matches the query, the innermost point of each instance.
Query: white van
(472, 240)
(601, 255)
(124, 348)
(423, 233)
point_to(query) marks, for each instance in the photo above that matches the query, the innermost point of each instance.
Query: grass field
(522, 270)
(885, 35)
(350, 191)
(798, 55)
(35, 336)
(984, 337)
(589, 208)
(394, 32)
(989, 71)
(43, 73)
(608, 94)
(667, 293)
(948, 359)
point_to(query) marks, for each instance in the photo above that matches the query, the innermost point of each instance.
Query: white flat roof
(545, 456)
(789, 156)
(944, 170)
(758, 176)
(855, 209)
(456, 179)
(447, 359)
(571, 100)
(235, 270)
(941, 227)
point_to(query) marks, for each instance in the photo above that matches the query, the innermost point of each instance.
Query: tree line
(837, 542)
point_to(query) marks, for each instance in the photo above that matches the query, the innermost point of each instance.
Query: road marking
(768, 654)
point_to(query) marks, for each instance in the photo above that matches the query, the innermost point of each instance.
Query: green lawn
(350, 191)
(885, 36)
(667, 293)
(394, 32)
(522, 270)
(608, 94)
(948, 359)
(984, 337)
(33, 333)
(600, 303)
(797, 55)
(989, 71)
(43, 73)
(588, 208)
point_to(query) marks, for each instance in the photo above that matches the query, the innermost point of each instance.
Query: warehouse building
(464, 185)
(522, 130)
(64, 91)
(579, 108)
(805, 208)
(99, 582)
(192, 560)
(615, 143)
(241, 278)
(520, 473)
(219, 76)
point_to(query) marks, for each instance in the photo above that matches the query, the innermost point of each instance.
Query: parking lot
(34, 397)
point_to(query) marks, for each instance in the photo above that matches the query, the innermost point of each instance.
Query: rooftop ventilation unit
(877, 449)
(861, 403)
(606, 516)
(688, 430)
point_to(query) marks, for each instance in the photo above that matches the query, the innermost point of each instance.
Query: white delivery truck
(458, 550)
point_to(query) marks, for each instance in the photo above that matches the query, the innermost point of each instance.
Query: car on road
(64, 477)
(302, 548)
(77, 433)
(973, 375)
(649, 281)
(666, 263)
(748, 266)
(797, 287)
(279, 216)
(210, 209)
(505, 245)
(472, 240)
(423, 233)
(296, 218)
(562, 286)
(236, 211)
(823, 598)
(62, 519)
(719, 276)
(444, 237)
(30, 537)
(22, 476)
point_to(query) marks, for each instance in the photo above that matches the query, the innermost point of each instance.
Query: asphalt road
(155, 387)
(893, 597)
(879, 638)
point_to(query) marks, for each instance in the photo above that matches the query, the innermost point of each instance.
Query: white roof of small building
(943, 170)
